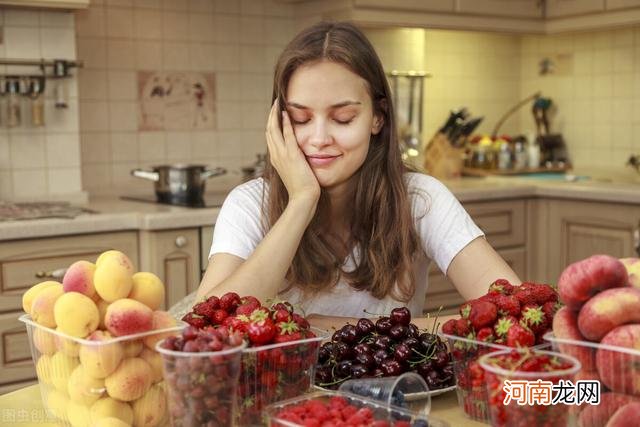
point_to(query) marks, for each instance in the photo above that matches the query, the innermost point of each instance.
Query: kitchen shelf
(512, 172)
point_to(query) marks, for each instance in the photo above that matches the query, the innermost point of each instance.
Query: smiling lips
(321, 159)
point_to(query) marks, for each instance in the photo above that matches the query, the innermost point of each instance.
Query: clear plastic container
(470, 381)
(201, 386)
(409, 391)
(536, 412)
(82, 381)
(275, 372)
(381, 411)
(616, 368)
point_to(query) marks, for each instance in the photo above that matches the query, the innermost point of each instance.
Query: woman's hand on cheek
(288, 159)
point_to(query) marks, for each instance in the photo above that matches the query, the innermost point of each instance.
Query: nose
(320, 135)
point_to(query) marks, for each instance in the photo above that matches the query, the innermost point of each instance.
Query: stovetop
(211, 200)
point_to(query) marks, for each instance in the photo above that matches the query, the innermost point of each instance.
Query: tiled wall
(480, 71)
(596, 89)
(39, 162)
(239, 41)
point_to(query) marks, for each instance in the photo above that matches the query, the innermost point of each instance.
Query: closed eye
(343, 122)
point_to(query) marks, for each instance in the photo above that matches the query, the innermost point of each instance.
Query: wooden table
(24, 408)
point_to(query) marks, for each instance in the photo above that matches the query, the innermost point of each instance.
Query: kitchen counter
(24, 407)
(114, 214)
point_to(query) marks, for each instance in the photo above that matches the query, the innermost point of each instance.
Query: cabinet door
(174, 256)
(507, 8)
(622, 4)
(206, 236)
(22, 260)
(441, 291)
(561, 8)
(502, 222)
(577, 230)
(16, 363)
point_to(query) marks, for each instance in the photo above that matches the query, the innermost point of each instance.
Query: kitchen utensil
(61, 69)
(179, 184)
(461, 133)
(13, 103)
(36, 89)
(256, 169)
(540, 107)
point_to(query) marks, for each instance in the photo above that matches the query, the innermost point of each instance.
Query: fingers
(287, 131)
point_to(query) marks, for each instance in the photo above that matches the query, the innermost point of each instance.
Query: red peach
(598, 415)
(79, 278)
(607, 310)
(627, 416)
(618, 370)
(126, 317)
(565, 326)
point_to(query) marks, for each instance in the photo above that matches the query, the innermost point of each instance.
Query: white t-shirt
(444, 228)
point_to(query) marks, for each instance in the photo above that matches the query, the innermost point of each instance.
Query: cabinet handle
(181, 241)
(54, 274)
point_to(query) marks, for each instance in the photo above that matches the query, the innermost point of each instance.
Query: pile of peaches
(94, 346)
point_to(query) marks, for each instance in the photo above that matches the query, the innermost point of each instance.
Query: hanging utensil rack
(59, 68)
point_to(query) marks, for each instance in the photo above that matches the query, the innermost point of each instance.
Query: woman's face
(333, 120)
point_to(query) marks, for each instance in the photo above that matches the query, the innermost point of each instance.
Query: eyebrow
(334, 106)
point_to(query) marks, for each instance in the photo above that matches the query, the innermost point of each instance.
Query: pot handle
(139, 173)
(210, 173)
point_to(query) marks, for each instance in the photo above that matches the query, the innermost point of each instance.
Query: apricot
(84, 388)
(43, 369)
(57, 403)
(113, 276)
(110, 422)
(132, 348)
(32, 292)
(44, 341)
(78, 414)
(161, 320)
(61, 368)
(607, 310)
(100, 360)
(150, 409)
(130, 381)
(148, 289)
(583, 279)
(76, 314)
(102, 309)
(42, 305)
(154, 360)
(79, 278)
(68, 346)
(565, 326)
(127, 316)
(107, 407)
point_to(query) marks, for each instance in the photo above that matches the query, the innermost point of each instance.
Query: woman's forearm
(262, 274)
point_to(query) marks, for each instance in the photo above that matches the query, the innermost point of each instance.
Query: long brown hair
(380, 223)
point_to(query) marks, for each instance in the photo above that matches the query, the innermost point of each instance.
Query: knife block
(441, 159)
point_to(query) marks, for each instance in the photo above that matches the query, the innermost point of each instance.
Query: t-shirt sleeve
(238, 228)
(444, 226)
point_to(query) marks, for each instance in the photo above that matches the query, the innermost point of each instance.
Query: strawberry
(301, 321)
(535, 293)
(550, 308)
(501, 286)
(236, 323)
(288, 331)
(507, 305)
(483, 313)
(449, 327)
(534, 318)
(519, 336)
(503, 324)
(196, 320)
(229, 301)
(485, 334)
(219, 316)
(285, 305)
(261, 329)
(246, 308)
(281, 315)
(207, 307)
(463, 327)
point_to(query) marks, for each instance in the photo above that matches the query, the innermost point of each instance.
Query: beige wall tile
(95, 147)
(64, 180)
(57, 19)
(227, 57)
(62, 120)
(148, 4)
(202, 5)
(119, 22)
(277, 31)
(123, 116)
(175, 26)
(5, 152)
(121, 177)
(27, 151)
(175, 56)
(58, 43)
(148, 55)
(175, 5)
(22, 42)
(21, 17)
(121, 54)
(254, 115)
(229, 115)
(30, 183)
(90, 22)
(147, 24)
(152, 147)
(252, 59)
(93, 52)
(121, 3)
(201, 27)
(205, 145)
(6, 185)
(227, 28)
(92, 84)
(252, 7)
(252, 30)
(63, 150)
(178, 146)
(277, 8)
(122, 85)
(223, 6)
(228, 86)
(96, 178)
(124, 147)
(202, 56)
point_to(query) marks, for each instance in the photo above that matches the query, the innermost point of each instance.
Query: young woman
(338, 224)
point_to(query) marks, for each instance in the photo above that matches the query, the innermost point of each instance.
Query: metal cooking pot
(179, 184)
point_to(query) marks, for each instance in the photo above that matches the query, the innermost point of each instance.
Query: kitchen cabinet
(47, 4)
(578, 229)
(506, 8)
(24, 263)
(504, 225)
(174, 256)
(206, 237)
(559, 8)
